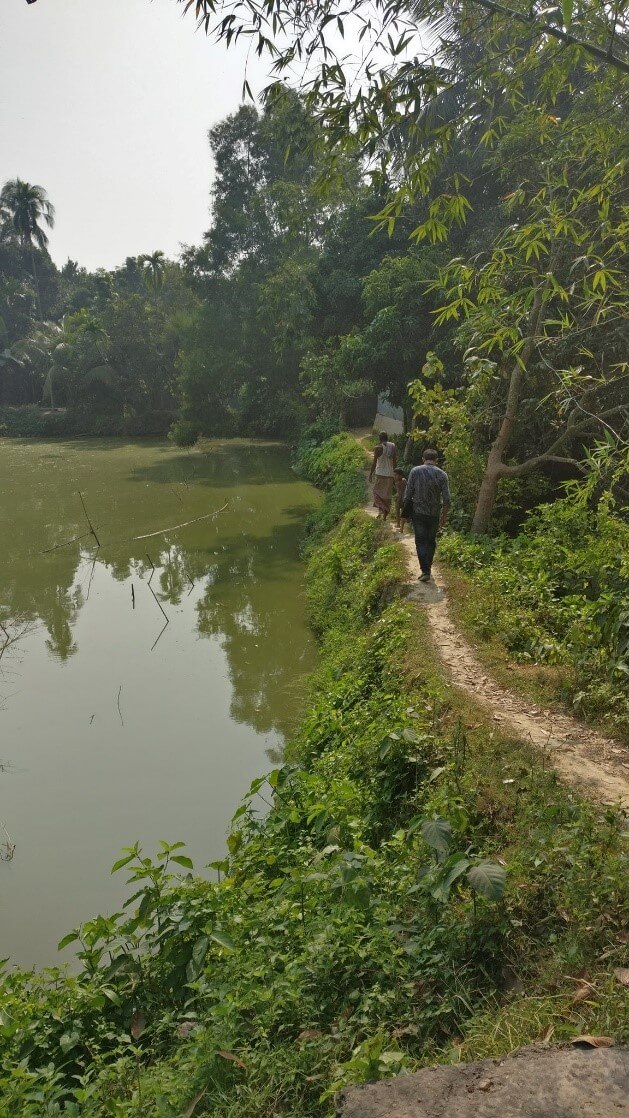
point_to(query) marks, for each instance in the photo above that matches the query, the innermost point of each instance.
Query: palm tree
(26, 208)
(153, 266)
(50, 349)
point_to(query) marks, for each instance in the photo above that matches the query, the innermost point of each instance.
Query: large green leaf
(454, 868)
(223, 939)
(123, 862)
(195, 965)
(488, 879)
(68, 1041)
(437, 833)
(70, 938)
(183, 860)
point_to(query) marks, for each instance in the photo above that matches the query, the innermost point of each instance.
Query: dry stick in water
(174, 527)
(162, 630)
(91, 526)
(66, 543)
(119, 710)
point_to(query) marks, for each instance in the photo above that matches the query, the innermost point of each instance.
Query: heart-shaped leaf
(437, 833)
(488, 879)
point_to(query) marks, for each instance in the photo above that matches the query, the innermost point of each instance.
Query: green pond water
(115, 726)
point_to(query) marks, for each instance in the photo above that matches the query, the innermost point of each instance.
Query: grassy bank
(337, 467)
(551, 607)
(407, 887)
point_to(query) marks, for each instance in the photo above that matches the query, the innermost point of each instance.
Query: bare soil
(535, 1082)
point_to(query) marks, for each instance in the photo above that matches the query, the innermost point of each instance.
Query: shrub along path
(596, 765)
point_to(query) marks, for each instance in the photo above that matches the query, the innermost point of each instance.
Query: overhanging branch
(549, 29)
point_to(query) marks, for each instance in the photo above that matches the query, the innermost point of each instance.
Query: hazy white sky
(107, 103)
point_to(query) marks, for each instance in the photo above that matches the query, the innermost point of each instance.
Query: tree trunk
(486, 500)
(36, 281)
(494, 468)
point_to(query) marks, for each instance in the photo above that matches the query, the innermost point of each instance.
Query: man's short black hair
(383, 436)
(430, 455)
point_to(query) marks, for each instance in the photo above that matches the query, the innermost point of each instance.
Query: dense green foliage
(557, 594)
(101, 357)
(400, 890)
(503, 146)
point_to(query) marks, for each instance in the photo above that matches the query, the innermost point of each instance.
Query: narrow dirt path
(596, 765)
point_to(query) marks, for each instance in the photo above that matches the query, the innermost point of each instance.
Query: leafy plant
(486, 878)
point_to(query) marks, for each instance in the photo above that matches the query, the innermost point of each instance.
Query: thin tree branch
(575, 429)
(548, 29)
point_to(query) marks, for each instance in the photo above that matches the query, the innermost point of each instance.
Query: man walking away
(383, 465)
(428, 494)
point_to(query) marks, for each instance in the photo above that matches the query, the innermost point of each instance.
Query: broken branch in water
(91, 526)
(174, 527)
(119, 710)
(66, 543)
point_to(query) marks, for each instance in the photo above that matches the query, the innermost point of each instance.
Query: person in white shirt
(382, 466)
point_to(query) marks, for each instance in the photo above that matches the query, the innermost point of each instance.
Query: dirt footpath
(596, 765)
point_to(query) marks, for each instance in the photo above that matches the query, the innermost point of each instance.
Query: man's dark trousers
(426, 528)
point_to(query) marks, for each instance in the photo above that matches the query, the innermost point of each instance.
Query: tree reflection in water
(234, 569)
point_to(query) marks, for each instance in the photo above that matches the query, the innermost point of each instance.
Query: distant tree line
(453, 236)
